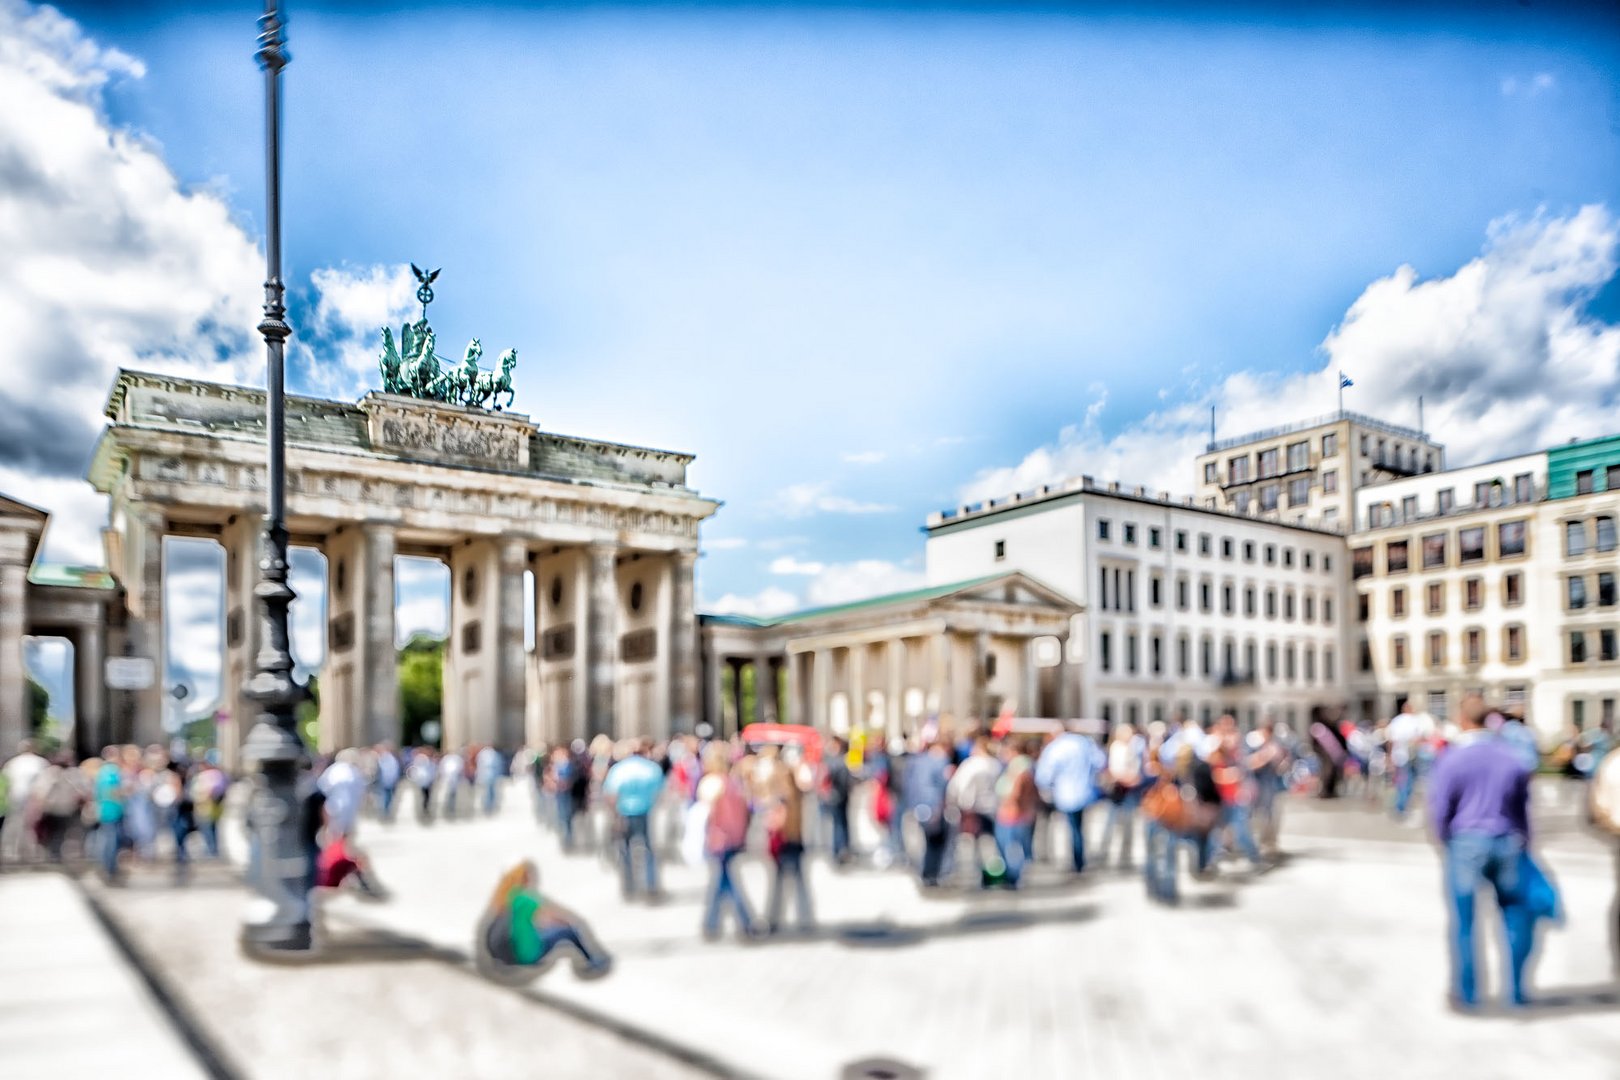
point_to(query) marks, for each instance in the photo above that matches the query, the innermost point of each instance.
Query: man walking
(1479, 803)
(839, 783)
(631, 788)
(1066, 775)
(926, 778)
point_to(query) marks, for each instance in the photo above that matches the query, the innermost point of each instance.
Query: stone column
(820, 688)
(243, 540)
(380, 716)
(795, 712)
(737, 718)
(683, 640)
(714, 705)
(89, 691)
(855, 688)
(1066, 675)
(894, 699)
(1030, 687)
(144, 633)
(939, 674)
(13, 673)
(981, 681)
(510, 657)
(765, 693)
(601, 639)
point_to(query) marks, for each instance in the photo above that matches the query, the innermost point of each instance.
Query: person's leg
(627, 859)
(1465, 857)
(1077, 838)
(1502, 870)
(793, 862)
(773, 902)
(650, 867)
(1127, 818)
(565, 819)
(109, 841)
(1243, 835)
(718, 883)
(933, 853)
(840, 831)
(1011, 846)
(739, 901)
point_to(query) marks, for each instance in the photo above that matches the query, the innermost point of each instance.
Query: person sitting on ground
(340, 861)
(529, 929)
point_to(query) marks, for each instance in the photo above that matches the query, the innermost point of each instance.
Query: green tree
(421, 685)
(39, 705)
(308, 714)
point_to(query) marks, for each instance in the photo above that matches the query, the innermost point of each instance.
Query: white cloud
(1503, 352)
(801, 500)
(1539, 83)
(787, 564)
(843, 583)
(422, 587)
(352, 305)
(866, 457)
(724, 543)
(767, 602)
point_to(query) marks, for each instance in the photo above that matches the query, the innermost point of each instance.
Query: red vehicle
(806, 738)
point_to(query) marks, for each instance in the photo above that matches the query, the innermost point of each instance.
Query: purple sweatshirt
(1480, 785)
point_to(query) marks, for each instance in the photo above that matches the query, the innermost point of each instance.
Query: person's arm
(1442, 801)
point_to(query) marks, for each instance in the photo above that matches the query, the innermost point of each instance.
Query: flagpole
(1341, 392)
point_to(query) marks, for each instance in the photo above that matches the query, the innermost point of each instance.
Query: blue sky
(867, 262)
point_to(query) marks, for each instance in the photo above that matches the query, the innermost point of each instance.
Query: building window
(1130, 533)
(1203, 543)
(1181, 540)
(1105, 651)
(1001, 549)
(1102, 588)
(1482, 493)
(1363, 607)
(1409, 508)
(1397, 602)
(1248, 551)
(1513, 643)
(1611, 482)
(1237, 470)
(1436, 603)
(1361, 562)
(1226, 547)
(1269, 460)
(1310, 664)
(1271, 554)
(1130, 590)
(1206, 651)
(1437, 648)
(1577, 713)
(1574, 538)
(1577, 593)
(1471, 545)
(1155, 538)
(1605, 589)
(1130, 654)
(1330, 481)
(1437, 704)
(1181, 594)
(1513, 589)
(1473, 648)
(1210, 474)
(1183, 655)
(1288, 604)
(1605, 534)
(1290, 664)
(1327, 610)
(1327, 663)
(1156, 590)
(1310, 607)
(1327, 564)
(1157, 649)
(1445, 500)
(1510, 539)
(1102, 528)
(1271, 661)
(1271, 603)
(1434, 551)
(1577, 647)
(1299, 491)
(1226, 600)
(1299, 456)
(1606, 644)
(1330, 444)
(1248, 602)
(1395, 557)
(1205, 600)
(1309, 559)
(1523, 488)
(1583, 482)
(1473, 593)
(1365, 446)
(1268, 496)
(1366, 655)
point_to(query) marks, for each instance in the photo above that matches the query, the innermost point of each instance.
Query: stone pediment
(447, 434)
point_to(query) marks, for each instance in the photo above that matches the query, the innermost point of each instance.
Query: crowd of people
(111, 808)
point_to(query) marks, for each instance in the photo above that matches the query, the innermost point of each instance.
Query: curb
(212, 1058)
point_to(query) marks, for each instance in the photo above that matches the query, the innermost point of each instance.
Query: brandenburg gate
(609, 533)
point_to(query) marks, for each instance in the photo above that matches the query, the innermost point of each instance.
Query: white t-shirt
(22, 771)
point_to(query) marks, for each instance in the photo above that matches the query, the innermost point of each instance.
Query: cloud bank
(1504, 353)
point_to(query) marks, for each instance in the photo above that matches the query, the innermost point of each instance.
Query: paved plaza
(1333, 965)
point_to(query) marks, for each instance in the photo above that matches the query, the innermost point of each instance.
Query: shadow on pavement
(1604, 997)
(883, 934)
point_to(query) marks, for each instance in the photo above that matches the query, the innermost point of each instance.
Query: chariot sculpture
(412, 368)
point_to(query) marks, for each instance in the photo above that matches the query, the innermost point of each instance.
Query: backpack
(727, 828)
(1603, 793)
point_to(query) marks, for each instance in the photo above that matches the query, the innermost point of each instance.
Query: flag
(1344, 381)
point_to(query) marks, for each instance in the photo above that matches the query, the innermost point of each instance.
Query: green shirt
(526, 944)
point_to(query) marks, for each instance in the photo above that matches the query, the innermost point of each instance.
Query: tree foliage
(421, 685)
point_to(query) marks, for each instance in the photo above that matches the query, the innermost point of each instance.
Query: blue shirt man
(633, 785)
(1066, 776)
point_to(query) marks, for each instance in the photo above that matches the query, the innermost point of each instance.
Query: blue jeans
(635, 829)
(1405, 780)
(1121, 816)
(1472, 859)
(491, 787)
(1235, 818)
(1159, 863)
(385, 798)
(109, 839)
(1077, 837)
(789, 864)
(840, 830)
(565, 818)
(1012, 842)
(723, 887)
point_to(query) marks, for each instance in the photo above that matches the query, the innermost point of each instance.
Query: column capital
(684, 558)
(514, 553)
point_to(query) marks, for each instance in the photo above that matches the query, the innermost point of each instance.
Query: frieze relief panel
(447, 434)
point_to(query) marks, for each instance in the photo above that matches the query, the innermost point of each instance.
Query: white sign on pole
(129, 672)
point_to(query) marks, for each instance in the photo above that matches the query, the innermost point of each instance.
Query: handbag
(1537, 891)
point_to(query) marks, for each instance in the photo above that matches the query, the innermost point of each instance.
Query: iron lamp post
(273, 751)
